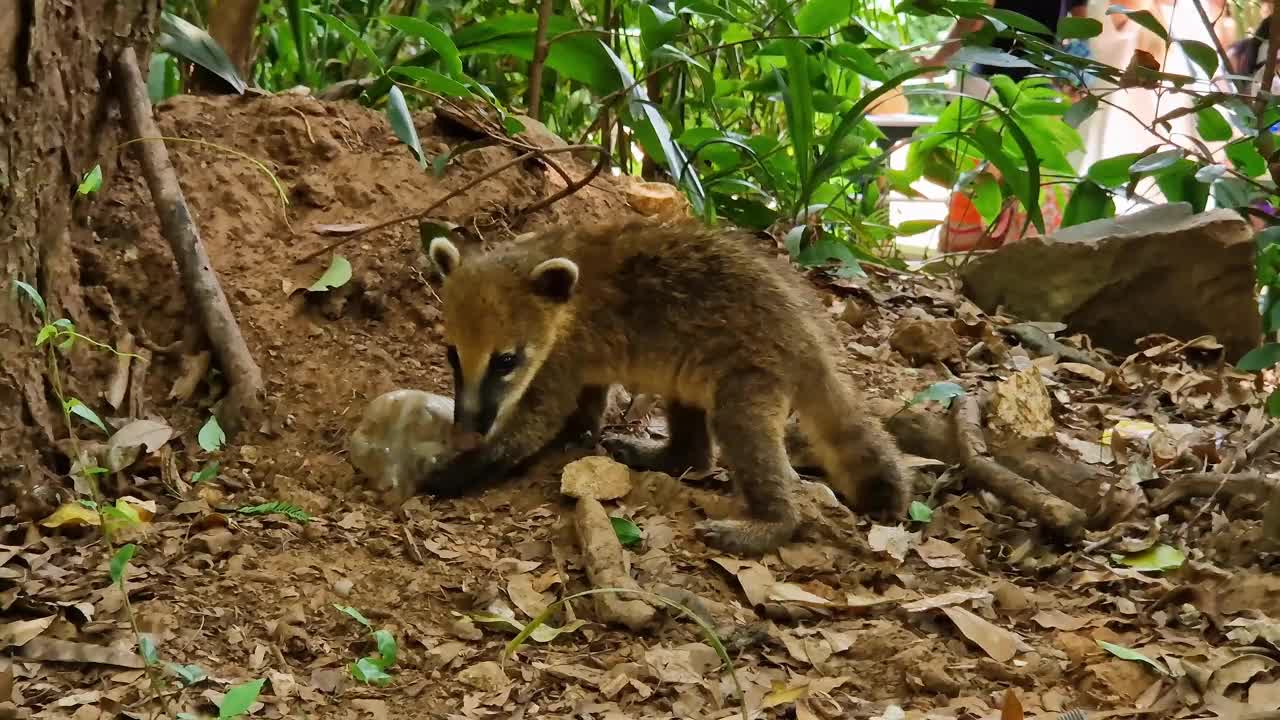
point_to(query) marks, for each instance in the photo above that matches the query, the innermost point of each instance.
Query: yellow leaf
(785, 696)
(72, 514)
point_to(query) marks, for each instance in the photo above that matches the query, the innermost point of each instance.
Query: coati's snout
(480, 394)
(501, 320)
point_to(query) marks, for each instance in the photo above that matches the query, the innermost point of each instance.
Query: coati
(538, 330)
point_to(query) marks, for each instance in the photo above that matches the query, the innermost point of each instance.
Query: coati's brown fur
(732, 340)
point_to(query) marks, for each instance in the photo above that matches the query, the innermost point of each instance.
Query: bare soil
(942, 618)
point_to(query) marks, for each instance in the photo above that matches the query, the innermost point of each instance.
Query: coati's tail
(862, 462)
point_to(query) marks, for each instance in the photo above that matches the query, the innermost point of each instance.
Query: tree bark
(231, 24)
(55, 61)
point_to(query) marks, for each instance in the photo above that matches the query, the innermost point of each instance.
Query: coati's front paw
(885, 496)
(647, 454)
(746, 537)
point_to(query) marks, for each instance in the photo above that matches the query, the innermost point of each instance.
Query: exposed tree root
(602, 556)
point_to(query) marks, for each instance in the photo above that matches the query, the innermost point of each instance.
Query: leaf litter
(1167, 608)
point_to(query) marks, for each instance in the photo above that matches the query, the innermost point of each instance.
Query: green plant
(372, 669)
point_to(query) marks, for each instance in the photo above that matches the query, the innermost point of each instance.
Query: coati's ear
(445, 255)
(555, 279)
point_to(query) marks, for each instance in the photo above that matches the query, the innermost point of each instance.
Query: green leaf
(367, 670)
(941, 392)
(147, 649)
(433, 36)
(858, 60)
(628, 533)
(797, 98)
(1202, 55)
(1156, 558)
(1245, 157)
(655, 124)
(293, 512)
(187, 674)
(1143, 18)
(1210, 173)
(387, 649)
(337, 275)
(1089, 201)
(207, 473)
(189, 42)
(1079, 28)
(1015, 20)
(1156, 161)
(1113, 172)
(1273, 403)
(920, 512)
(120, 562)
(351, 36)
(45, 333)
(581, 57)
(815, 16)
(1125, 653)
(429, 79)
(1260, 358)
(75, 407)
(669, 53)
(33, 295)
(92, 181)
(657, 27)
(211, 436)
(1080, 111)
(354, 614)
(986, 197)
(1212, 126)
(916, 227)
(402, 123)
(239, 699)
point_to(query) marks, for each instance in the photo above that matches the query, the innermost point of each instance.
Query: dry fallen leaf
(530, 601)
(892, 539)
(1020, 406)
(997, 642)
(20, 632)
(72, 514)
(938, 553)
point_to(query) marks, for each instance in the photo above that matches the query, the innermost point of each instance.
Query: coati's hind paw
(647, 454)
(746, 537)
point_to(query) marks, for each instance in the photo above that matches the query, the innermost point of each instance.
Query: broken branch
(199, 280)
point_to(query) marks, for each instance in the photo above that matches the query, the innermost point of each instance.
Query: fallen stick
(199, 280)
(602, 554)
(1209, 484)
(1043, 344)
(1058, 515)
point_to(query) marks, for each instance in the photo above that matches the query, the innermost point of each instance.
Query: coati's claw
(745, 537)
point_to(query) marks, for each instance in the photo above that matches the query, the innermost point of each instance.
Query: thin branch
(460, 191)
(540, 49)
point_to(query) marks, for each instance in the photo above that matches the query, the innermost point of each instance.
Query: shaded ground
(940, 617)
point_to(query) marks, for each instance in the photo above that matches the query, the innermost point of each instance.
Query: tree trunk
(55, 109)
(231, 24)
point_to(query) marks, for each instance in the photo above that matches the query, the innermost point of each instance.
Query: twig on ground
(1042, 344)
(1213, 484)
(199, 280)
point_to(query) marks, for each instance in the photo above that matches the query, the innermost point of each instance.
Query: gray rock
(1160, 270)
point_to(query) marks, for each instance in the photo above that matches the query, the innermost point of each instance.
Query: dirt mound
(820, 629)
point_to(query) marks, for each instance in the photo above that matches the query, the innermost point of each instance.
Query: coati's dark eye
(452, 354)
(504, 363)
